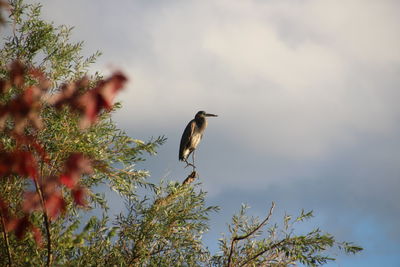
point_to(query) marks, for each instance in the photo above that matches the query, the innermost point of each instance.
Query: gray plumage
(192, 135)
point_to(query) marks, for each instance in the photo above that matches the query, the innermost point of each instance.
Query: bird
(192, 135)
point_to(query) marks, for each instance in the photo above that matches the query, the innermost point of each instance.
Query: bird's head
(202, 114)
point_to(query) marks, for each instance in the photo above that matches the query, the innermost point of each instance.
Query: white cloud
(303, 77)
(254, 49)
(300, 97)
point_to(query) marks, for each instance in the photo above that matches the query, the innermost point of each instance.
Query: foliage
(59, 144)
(43, 110)
(279, 247)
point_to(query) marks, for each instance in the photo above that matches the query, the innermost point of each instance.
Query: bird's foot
(190, 164)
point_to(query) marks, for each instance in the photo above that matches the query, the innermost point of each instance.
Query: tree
(55, 126)
(59, 142)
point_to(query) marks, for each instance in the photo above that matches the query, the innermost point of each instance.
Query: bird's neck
(201, 123)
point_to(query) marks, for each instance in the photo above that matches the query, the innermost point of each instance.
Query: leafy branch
(236, 239)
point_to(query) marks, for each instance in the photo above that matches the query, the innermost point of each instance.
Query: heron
(192, 135)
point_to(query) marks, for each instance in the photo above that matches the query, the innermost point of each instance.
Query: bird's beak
(211, 115)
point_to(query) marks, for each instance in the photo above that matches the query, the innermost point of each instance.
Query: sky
(307, 95)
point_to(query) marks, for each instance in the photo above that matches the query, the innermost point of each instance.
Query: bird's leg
(189, 164)
(194, 167)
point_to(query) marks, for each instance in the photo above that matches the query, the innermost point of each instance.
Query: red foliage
(19, 225)
(92, 102)
(79, 194)
(75, 166)
(55, 204)
(18, 162)
(23, 140)
(37, 235)
(3, 86)
(52, 196)
(24, 110)
(31, 202)
(17, 74)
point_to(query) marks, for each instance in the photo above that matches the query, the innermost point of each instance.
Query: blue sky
(306, 92)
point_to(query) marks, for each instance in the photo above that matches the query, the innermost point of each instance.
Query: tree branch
(262, 252)
(47, 57)
(46, 223)
(238, 238)
(190, 178)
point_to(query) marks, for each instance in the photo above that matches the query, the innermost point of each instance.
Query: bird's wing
(186, 138)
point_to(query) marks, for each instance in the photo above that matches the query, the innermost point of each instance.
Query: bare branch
(190, 178)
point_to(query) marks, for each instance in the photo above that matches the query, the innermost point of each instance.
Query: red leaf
(4, 86)
(5, 163)
(111, 87)
(69, 180)
(37, 235)
(53, 200)
(11, 224)
(24, 109)
(17, 73)
(79, 163)
(75, 166)
(91, 106)
(31, 202)
(18, 162)
(28, 140)
(55, 205)
(79, 196)
(90, 103)
(40, 76)
(27, 165)
(21, 227)
(50, 186)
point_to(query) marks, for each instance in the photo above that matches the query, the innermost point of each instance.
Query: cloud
(310, 72)
(307, 94)
(293, 83)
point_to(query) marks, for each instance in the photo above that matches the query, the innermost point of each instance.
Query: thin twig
(46, 223)
(48, 57)
(238, 238)
(262, 252)
(3, 224)
(123, 171)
